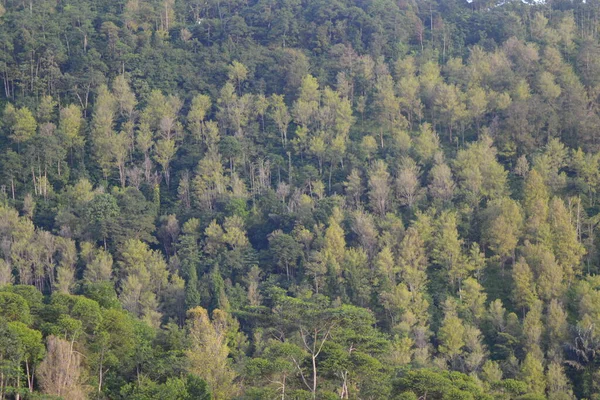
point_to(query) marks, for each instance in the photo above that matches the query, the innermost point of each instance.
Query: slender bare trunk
(101, 372)
(314, 366)
(29, 377)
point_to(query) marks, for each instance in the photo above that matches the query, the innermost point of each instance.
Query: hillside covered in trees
(299, 199)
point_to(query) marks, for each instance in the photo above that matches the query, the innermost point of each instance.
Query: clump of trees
(355, 200)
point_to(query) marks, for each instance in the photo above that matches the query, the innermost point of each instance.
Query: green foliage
(299, 199)
(174, 388)
(439, 385)
(14, 308)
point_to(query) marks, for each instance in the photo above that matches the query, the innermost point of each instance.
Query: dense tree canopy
(299, 199)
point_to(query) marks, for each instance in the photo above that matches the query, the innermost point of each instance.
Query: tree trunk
(314, 366)
(122, 174)
(17, 395)
(100, 373)
(29, 377)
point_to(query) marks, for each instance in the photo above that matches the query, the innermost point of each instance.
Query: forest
(299, 199)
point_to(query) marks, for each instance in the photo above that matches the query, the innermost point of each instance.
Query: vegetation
(290, 199)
